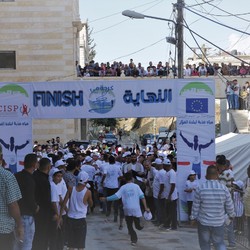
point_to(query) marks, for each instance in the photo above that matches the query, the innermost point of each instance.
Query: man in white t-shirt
(112, 173)
(90, 170)
(172, 196)
(159, 192)
(131, 195)
(55, 240)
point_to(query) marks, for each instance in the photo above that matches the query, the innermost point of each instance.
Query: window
(7, 59)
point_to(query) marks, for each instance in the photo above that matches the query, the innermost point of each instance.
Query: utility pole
(179, 33)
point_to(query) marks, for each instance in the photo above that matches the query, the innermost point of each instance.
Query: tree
(89, 49)
(107, 122)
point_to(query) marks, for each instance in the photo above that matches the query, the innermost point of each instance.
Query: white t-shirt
(112, 172)
(160, 178)
(130, 194)
(171, 179)
(54, 194)
(90, 170)
(191, 185)
(62, 190)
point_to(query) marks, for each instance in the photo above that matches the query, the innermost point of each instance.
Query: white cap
(166, 161)
(82, 177)
(53, 171)
(192, 172)
(147, 215)
(239, 183)
(59, 163)
(88, 159)
(158, 161)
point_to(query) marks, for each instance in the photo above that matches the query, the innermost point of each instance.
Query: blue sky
(120, 38)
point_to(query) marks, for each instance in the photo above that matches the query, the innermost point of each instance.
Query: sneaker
(161, 227)
(133, 244)
(100, 209)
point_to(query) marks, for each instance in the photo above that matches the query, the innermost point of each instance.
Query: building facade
(39, 41)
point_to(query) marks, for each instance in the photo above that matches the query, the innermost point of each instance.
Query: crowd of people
(238, 97)
(120, 69)
(46, 203)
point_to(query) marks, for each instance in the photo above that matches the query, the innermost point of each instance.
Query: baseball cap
(59, 163)
(82, 177)
(53, 171)
(239, 183)
(192, 172)
(166, 161)
(158, 161)
(147, 215)
(88, 159)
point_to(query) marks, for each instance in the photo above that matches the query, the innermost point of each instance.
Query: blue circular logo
(101, 100)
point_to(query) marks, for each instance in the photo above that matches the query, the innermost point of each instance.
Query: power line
(228, 12)
(137, 50)
(199, 4)
(229, 27)
(116, 24)
(203, 53)
(118, 13)
(216, 45)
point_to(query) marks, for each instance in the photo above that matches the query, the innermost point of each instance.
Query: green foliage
(106, 122)
(90, 45)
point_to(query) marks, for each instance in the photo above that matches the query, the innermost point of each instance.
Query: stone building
(39, 41)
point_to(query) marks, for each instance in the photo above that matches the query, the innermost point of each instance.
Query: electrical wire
(203, 53)
(228, 12)
(224, 25)
(137, 50)
(215, 45)
(199, 4)
(116, 24)
(118, 13)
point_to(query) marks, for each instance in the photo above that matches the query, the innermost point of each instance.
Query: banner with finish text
(192, 101)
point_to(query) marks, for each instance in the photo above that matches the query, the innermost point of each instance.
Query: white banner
(15, 124)
(104, 99)
(195, 134)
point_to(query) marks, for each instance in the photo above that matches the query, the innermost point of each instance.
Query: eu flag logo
(196, 105)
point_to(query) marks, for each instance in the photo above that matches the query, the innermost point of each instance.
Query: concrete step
(240, 118)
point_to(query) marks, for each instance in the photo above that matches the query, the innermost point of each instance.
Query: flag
(196, 105)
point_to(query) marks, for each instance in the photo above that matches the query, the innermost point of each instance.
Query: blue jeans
(29, 231)
(230, 234)
(235, 101)
(229, 101)
(209, 234)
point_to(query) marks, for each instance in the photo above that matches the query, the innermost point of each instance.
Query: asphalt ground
(105, 234)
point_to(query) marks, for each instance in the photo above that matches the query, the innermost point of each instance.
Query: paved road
(104, 235)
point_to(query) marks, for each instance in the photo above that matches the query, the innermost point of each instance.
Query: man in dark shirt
(27, 204)
(43, 199)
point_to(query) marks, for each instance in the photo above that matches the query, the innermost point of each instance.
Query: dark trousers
(160, 210)
(41, 237)
(56, 237)
(151, 204)
(109, 192)
(171, 211)
(189, 205)
(7, 241)
(130, 220)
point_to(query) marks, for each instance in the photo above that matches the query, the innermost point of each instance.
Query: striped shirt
(9, 193)
(212, 201)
